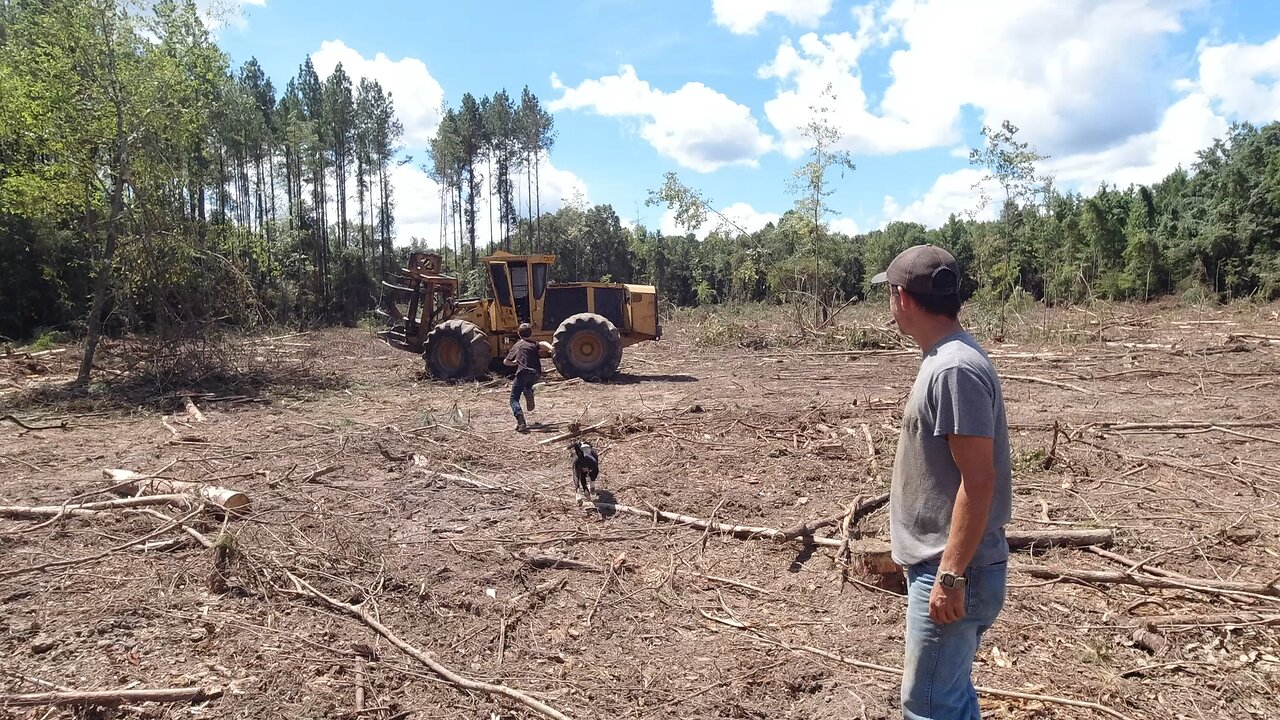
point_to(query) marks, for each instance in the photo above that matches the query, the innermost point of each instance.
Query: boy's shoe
(521, 427)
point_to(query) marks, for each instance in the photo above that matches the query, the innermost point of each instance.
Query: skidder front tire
(456, 350)
(588, 346)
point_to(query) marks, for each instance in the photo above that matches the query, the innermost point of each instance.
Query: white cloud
(748, 218)
(417, 199)
(417, 95)
(744, 17)
(846, 225)
(1244, 80)
(825, 63)
(958, 192)
(1188, 125)
(739, 214)
(696, 126)
(1076, 76)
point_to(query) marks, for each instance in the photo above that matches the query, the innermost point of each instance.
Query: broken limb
(104, 553)
(1018, 539)
(31, 512)
(1108, 577)
(31, 428)
(109, 697)
(573, 433)
(304, 588)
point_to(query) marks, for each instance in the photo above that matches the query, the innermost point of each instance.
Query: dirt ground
(368, 483)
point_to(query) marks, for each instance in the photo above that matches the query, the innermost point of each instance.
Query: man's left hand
(946, 605)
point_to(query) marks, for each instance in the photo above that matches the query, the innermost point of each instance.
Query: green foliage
(135, 161)
(131, 153)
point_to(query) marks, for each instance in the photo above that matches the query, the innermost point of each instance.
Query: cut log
(872, 557)
(131, 482)
(109, 697)
(1040, 539)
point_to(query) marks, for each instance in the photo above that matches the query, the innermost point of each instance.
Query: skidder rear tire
(587, 346)
(456, 350)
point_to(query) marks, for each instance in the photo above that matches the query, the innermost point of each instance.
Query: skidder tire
(456, 350)
(588, 346)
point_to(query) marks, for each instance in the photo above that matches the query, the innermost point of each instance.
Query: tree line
(1210, 231)
(482, 147)
(146, 184)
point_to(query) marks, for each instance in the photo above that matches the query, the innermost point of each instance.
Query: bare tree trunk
(537, 184)
(528, 197)
(385, 205)
(271, 227)
(119, 177)
(489, 182)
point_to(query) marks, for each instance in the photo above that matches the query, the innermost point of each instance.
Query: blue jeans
(522, 386)
(936, 680)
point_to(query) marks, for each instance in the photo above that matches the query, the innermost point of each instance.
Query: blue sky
(1115, 91)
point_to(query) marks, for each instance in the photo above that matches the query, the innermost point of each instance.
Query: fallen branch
(853, 515)
(129, 481)
(104, 553)
(1018, 539)
(1133, 564)
(1107, 577)
(1202, 621)
(303, 587)
(846, 527)
(897, 672)
(110, 697)
(1185, 425)
(573, 433)
(182, 524)
(31, 512)
(31, 428)
(1043, 381)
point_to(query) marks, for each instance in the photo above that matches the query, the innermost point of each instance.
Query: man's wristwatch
(950, 580)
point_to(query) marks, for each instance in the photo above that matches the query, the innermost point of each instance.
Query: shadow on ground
(633, 379)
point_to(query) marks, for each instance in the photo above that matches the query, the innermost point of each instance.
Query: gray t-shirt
(956, 392)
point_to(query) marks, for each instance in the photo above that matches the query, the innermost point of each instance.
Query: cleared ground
(368, 483)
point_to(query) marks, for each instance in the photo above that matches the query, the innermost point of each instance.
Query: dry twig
(305, 588)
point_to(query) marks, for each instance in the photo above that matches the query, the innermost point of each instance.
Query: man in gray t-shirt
(951, 492)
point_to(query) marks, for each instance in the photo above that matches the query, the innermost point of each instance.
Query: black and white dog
(586, 466)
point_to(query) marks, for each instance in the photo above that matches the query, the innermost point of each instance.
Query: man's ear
(906, 301)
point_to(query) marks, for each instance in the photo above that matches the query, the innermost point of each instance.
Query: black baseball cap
(923, 270)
